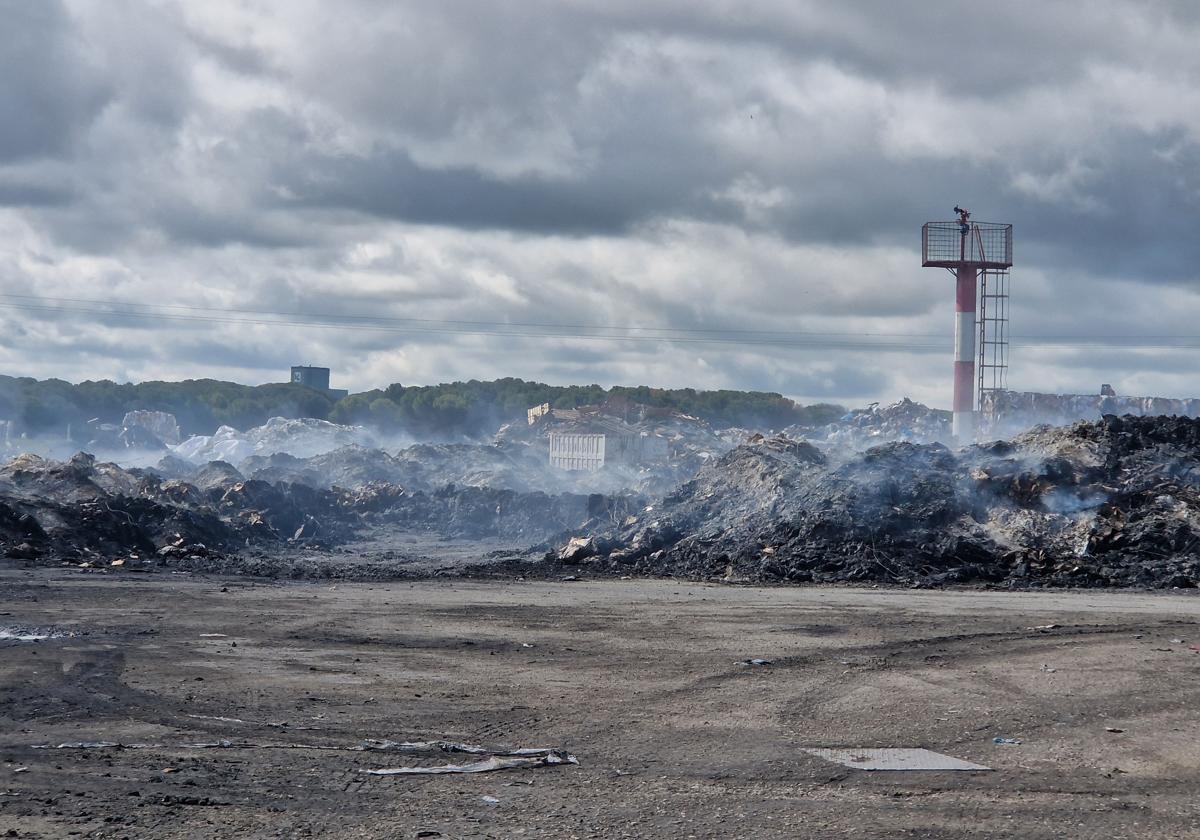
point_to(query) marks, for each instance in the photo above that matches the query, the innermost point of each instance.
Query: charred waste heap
(1114, 502)
(1110, 503)
(212, 518)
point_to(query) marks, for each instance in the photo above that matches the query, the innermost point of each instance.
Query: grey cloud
(16, 191)
(390, 185)
(50, 94)
(537, 163)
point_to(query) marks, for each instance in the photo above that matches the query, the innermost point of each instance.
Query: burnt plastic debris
(1113, 503)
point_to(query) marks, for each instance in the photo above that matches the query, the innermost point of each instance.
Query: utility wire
(818, 342)
(376, 319)
(585, 332)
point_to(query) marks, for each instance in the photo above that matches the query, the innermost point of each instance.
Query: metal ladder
(992, 368)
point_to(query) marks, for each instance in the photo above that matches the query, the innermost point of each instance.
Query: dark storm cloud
(21, 192)
(637, 121)
(49, 95)
(390, 185)
(643, 144)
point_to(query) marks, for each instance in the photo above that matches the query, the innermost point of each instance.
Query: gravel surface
(643, 681)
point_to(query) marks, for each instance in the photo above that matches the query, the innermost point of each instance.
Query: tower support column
(963, 426)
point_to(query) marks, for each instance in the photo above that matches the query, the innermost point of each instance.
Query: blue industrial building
(316, 377)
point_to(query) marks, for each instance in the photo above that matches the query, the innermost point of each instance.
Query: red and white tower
(972, 251)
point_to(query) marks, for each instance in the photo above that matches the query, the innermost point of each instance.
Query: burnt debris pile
(875, 424)
(85, 511)
(1110, 503)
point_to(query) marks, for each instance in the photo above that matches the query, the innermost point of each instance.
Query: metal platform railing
(982, 245)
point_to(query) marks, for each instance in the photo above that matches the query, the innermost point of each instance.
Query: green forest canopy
(448, 410)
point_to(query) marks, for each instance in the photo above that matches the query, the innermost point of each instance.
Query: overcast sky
(699, 167)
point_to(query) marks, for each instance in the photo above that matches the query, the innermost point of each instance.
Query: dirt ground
(641, 680)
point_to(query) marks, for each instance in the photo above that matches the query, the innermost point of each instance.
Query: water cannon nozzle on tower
(964, 215)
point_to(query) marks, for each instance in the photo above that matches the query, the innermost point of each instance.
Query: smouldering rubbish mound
(1110, 503)
(102, 514)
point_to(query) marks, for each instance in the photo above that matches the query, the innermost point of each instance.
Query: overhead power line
(815, 341)
(353, 319)
(181, 313)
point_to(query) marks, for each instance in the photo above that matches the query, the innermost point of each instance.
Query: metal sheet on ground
(893, 759)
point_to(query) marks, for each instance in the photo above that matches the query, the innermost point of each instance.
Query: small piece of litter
(554, 758)
(82, 745)
(1048, 669)
(1177, 641)
(491, 800)
(20, 769)
(1000, 740)
(1113, 729)
(1042, 628)
(384, 745)
(22, 634)
(755, 662)
(526, 645)
(117, 563)
(892, 759)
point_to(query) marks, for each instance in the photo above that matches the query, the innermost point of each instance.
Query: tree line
(477, 407)
(455, 409)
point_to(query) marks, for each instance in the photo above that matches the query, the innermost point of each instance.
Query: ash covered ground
(877, 497)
